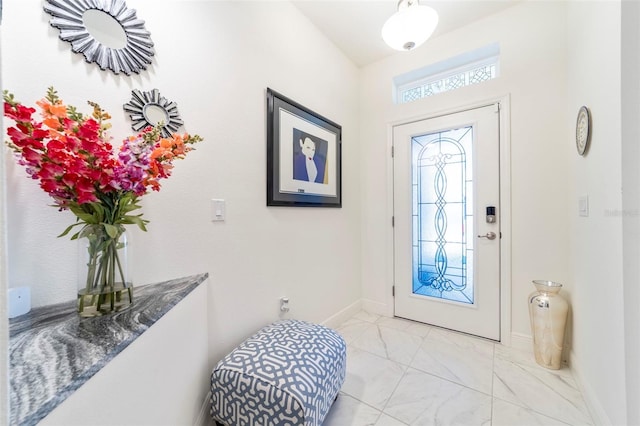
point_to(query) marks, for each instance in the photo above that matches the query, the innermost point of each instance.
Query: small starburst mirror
(106, 32)
(150, 108)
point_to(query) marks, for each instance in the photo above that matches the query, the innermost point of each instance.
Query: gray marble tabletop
(53, 351)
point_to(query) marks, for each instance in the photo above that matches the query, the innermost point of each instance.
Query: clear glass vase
(104, 274)
(548, 313)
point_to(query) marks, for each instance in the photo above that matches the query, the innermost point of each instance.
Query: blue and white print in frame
(304, 156)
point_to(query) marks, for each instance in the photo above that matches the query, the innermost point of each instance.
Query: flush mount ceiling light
(410, 26)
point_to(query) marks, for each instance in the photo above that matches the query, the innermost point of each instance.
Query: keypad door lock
(491, 214)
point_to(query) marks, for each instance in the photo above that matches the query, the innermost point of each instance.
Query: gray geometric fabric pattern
(289, 373)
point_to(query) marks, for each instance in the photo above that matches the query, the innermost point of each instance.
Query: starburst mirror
(149, 109)
(106, 32)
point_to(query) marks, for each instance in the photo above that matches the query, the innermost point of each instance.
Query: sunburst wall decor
(139, 108)
(69, 18)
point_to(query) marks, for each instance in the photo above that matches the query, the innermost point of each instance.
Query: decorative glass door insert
(442, 183)
(446, 248)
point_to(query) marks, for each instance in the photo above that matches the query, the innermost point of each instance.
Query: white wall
(215, 59)
(533, 73)
(596, 241)
(630, 89)
(4, 332)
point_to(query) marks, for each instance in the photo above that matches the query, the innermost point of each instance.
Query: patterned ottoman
(289, 373)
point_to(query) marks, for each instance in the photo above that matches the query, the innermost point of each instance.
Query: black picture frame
(304, 156)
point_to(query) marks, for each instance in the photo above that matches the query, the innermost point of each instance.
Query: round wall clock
(583, 130)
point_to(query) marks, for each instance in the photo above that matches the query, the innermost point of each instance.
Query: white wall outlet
(218, 210)
(284, 304)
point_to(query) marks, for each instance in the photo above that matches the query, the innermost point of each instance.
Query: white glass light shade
(409, 27)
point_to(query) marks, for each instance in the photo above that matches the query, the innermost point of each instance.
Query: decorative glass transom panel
(443, 215)
(448, 82)
(468, 68)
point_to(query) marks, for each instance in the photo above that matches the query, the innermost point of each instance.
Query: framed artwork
(304, 156)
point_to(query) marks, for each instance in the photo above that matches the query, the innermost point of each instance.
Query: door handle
(489, 235)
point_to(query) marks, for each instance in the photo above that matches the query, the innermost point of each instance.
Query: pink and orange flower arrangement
(71, 157)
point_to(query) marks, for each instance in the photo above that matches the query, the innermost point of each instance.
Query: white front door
(446, 242)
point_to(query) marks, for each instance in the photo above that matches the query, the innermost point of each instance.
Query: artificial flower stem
(124, 282)
(112, 273)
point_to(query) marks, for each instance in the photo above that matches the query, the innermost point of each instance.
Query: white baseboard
(377, 308)
(203, 418)
(336, 320)
(522, 342)
(598, 415)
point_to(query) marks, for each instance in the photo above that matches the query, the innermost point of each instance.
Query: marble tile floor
(401, 372)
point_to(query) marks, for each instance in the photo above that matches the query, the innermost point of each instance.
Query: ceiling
(354, 25)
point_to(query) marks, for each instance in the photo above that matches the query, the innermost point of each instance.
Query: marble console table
(53, 351)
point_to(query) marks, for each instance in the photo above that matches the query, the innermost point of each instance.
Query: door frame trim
(505, 204)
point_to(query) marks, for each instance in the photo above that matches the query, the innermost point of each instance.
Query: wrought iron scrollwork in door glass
(442, 187)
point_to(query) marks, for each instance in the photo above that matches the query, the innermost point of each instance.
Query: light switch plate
(218, 210)
(583, 206)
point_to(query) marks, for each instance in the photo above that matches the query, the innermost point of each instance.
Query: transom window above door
(463, 70)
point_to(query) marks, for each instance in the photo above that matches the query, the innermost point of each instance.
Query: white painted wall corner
(336, 320)
(204, 419)
(378, 308)
(598, 414)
